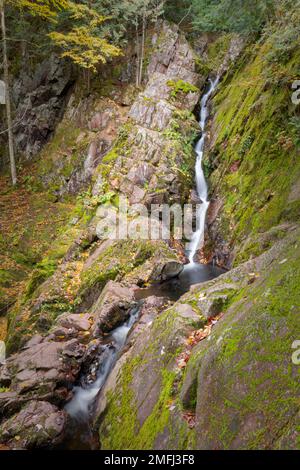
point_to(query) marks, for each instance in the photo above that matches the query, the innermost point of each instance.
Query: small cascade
(81, 406)
(201, 185)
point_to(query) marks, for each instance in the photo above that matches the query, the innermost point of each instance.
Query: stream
(201, 184)
(80, 408)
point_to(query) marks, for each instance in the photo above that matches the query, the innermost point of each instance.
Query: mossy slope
(240, 383)
(254, 153)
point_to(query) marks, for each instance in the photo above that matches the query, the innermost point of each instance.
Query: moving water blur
(80, 435)
(201, 185)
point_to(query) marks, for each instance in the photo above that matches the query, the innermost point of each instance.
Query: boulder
(38, 424)
(112, 308)
(165, 270)
(78, 322)
(45, 369)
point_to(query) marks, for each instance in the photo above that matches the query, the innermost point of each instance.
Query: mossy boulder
(239, 384)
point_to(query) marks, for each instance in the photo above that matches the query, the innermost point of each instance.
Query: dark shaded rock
(11, 402)
(40, 100)
(95, 358)
(165, 270)
(5, 376)
(38, 424)
(45, 369)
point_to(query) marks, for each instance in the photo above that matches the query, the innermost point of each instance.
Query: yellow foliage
(83, 48)
(82, 45)
(46, 9)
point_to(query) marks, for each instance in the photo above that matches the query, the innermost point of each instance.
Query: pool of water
(193, 273)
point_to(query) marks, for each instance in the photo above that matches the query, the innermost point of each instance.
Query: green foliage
(180, 86)
(241, 16)
(46, 9)
(43, 271)
(294, 124)
(81, 44)
(283, 35)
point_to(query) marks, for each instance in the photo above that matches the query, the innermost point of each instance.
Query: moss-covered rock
(253, 157)
(240, 382)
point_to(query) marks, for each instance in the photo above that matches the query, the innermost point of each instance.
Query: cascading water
(201, 185)
(80, 407)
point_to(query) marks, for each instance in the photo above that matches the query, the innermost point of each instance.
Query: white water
(198, 237)
(83, 397)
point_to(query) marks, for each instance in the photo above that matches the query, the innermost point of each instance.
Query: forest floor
(30, 219)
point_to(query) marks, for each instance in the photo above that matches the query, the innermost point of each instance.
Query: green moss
(122, 409)
(181, 86)
(253, 141)
(117, 260)
(260, 342)
(43, 270)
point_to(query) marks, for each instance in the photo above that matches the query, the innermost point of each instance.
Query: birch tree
(7, 97)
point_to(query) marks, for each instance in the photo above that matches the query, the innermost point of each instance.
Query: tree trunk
(7, 98)
(137, 75)
(88, 81)
(142, 48)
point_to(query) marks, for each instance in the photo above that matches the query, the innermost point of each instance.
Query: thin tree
(7, 97)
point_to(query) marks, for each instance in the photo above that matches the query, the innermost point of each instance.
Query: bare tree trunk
(7, 98)
(88, 81)
(137, 75)
(142, 48)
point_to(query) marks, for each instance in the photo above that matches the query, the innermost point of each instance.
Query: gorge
(119, 344)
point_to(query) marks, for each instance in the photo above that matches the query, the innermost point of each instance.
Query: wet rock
(167, 269)
(112, 307)
(38, 424)
(235, 364)
(166, 335)
(151, 307)
(94, 360)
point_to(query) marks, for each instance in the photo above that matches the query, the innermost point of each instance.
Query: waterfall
(201, 185)
(84, 396)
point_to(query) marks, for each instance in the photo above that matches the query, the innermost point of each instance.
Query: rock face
(174, 391)
(86, 133)
(37, 425)
(59, 331)
(40, 101)
(44, 368)
(248, 215)
(160, 113)
(38, 378)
